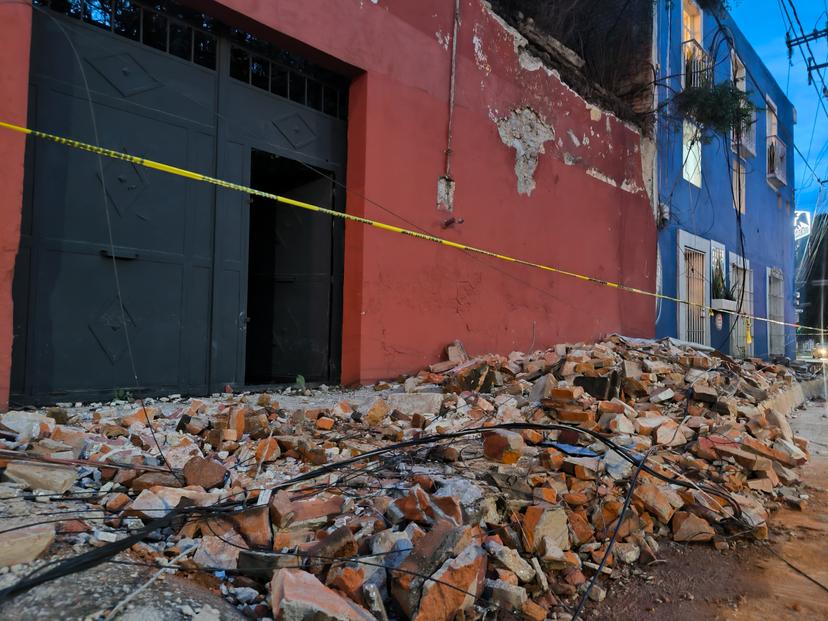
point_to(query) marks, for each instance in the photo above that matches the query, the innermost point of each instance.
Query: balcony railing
(777, 162)
(698, 65)
(745, 138)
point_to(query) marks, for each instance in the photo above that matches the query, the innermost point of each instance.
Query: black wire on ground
(798, 570)
(360, 560)
(620, 521)
(91, 559)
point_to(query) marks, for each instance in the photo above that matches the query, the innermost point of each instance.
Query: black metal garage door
(168, 84)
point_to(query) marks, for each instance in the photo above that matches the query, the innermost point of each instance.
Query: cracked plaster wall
(526, 133)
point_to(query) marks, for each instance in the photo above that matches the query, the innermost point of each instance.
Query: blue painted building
(706, 253)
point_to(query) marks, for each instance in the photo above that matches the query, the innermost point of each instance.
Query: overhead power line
(790, 26)
(805, 39)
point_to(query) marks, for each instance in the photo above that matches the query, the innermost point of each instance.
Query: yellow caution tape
(188, 174)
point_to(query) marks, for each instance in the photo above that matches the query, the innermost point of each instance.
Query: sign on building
(802, 224)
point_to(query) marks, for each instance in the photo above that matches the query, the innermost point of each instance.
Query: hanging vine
(718, 109)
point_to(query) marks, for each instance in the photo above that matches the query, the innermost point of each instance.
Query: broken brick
(503, 446)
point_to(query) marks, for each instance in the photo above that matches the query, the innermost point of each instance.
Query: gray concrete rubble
(488, 485)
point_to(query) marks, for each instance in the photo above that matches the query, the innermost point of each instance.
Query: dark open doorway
(294, 276)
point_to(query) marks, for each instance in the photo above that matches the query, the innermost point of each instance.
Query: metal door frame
(246, 144)
(699, 244)
(229, 149)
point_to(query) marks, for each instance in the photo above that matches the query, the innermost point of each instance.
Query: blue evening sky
(764, 25)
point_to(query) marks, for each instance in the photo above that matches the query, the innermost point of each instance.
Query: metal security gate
(696, 316)
(163, 85)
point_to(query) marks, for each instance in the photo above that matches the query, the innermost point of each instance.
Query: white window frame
(714, 246)
(749, 135)
(694, 177)
(734, 261)
(700, 39)
(736, 62)
(774, 272)
(741, 188)
(699, 244)
(771, 112)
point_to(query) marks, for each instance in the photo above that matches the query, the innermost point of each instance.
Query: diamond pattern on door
(125, 182)
(124, 73)
(108, 328)
(295, 130)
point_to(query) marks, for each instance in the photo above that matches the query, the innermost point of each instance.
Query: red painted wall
(15, 35)
(405, 299)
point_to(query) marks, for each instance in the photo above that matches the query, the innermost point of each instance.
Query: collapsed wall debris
(511, 484)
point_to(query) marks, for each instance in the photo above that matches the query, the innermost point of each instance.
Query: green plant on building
(720, 289)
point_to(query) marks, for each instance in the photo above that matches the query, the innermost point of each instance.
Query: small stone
(648, 424)
(219, 552)
(626, 552)
(546, 523)
(154, 479)
(655, 501)
(41, 476)
(507, 595)
(205, 473)
(670, 433)
(455, 588)
(207, 613)
(143, 416)
(511, 560)
(325, 423)
(27, 425)
(705, 393)
(690, 527)
(660, 395)
(350, 580)
(298, 596)
(254, 525)
(267, 450)
(378, 411)
(342, 410)
(245, 595)
(148, 505)
(597, 593)
(26, 544)
(533, 611)
(417, 403)
(503, 446)
(115, 502)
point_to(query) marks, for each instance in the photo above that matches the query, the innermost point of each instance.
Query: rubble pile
(380, 508)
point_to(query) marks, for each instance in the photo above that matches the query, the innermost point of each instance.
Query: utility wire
(95, 557)
(808, 46)
(810, 51)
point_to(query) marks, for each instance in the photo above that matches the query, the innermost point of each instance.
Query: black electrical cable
(258, 572)
(620, 520)
(90, 559)
(360, 560)
(798, 570)
(85, 561)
